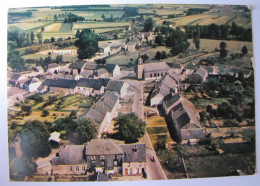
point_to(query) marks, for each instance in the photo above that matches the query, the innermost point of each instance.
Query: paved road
(154, 168)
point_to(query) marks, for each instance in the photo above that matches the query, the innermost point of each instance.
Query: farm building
(199, 75)
(113, 69)
(183, 123)
(62, 86)
(189, 68)
(53, 68)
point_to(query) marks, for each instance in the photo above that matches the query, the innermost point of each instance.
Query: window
(162, 74)
(158, 74)
(83, 168)
(93, 157)
(102, 163)
(115, 163)
(93, 164)
(77, 168)
(102, 157)
(138, 171)
(116, 157)
(154, 74)
(70, 168)
(151, 75)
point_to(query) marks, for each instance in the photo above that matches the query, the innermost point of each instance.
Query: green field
(37, 56)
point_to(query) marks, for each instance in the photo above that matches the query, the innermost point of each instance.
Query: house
(54, 138)
(105, 156)
(105, 49)
(18, 80)
(14, 95)
(101, 73)
(76, 67)
(53, 68)
(39, 69)
(32, 85)
(103, 111)
(113, 69)
(183, 123)
(189, 68)
(199, 75)
(70, 160)
(151, 70)
(88, 87)
(62, 86)
(119, 88)
(166, 85)
(176, 68)
(44, 87)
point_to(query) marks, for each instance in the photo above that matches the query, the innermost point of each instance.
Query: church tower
(140, 68)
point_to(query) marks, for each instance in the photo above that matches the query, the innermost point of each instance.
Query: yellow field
(55, 27)
(99, 25)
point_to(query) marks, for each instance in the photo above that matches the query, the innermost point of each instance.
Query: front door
(126, 171)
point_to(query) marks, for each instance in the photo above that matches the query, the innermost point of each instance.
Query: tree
(35, 140)
(223, 51)
(77, 33)
(32, 37)
(129, 127)
(178, 40)
(43, 29)
(59, 59)
(87, 44)
(164, 55)
(28, 40)
(52, 39)
(159, 40)
(244, 50)
(23, 167)
(15, 61)
(149, 24)
(45, 113)
(145, 57)
(158, 55)
(55, 17)
(196, 40)
(39, 36)
(77, 131)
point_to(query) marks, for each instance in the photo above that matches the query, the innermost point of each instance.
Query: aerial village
(136, 92)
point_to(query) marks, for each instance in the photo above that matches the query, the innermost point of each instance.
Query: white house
(32, 85)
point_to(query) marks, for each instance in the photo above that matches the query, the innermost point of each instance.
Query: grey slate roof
(53, 65)
(102, 147)
(76, 65)
(15, 77)
(110, 67)
(70, 155)
(100, 71)
(155, 66)
(92, 66)
(98, 112)
(190, 66)
(63, 83)
(164, 86)
(174, 65)
(192, 134)
(171, 99)
(134, 152)
(202, 71)
(32, 80)
(185, 116)
(115, 86)
(92, 83)
(86, 73)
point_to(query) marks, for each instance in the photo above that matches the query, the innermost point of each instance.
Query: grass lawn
(37, 56)
(124, 59)
(221, 165)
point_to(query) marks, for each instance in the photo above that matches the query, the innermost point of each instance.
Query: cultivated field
(99, 25)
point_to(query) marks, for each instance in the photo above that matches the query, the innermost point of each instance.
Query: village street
(154, 168)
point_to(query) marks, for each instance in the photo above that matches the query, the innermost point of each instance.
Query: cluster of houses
(86, 78)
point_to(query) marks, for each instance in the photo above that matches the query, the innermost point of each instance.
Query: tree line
(226, 32)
